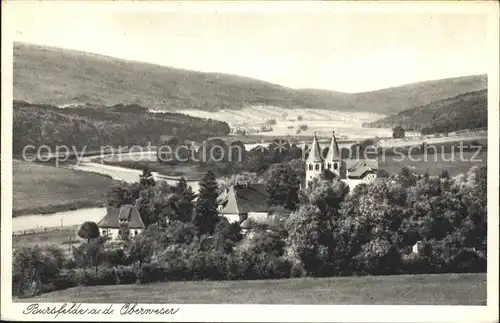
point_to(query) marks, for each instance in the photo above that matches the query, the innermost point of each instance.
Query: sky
(346, 51)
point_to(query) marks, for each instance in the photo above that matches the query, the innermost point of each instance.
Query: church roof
(314, 152)
(333, 151)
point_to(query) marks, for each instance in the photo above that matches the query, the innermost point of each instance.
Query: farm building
(116, 220)
(247, 201)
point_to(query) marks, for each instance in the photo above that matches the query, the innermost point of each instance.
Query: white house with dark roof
(350, 171)
(118, 219)
(246, 201)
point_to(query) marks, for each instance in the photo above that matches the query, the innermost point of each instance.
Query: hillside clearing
(45, 189)
(444, 289)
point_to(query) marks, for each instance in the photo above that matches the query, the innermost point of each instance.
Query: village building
(350, 171)
(244, 201)
(125, 217)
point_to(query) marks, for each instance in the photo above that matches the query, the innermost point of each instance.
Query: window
(119, 231)
(329, 166)
(136, 232)
(322, 166)
(317, 167)
(335, 166)
(310, 167)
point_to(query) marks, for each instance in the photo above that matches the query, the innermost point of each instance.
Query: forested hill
(464, 111)
(95, 126)
(61, 77)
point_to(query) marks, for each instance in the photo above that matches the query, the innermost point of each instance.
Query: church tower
(333, 160)
(314, 162)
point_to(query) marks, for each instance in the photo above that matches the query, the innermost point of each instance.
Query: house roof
(333, 151)
(125, 212)
(246, 198)
(359, 168)
(314, 152)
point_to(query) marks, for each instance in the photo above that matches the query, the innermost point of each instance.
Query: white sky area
(349, 52)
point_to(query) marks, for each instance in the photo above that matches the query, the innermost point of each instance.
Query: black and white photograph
(249, 153)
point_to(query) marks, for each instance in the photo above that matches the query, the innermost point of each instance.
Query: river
(66, 218)
(76, 217)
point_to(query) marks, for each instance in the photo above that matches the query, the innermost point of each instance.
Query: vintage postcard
(250, 161)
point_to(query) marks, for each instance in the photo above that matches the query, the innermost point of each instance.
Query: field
(46, 189)
(435, 164)
(443, 289)
(323, 122)
(60, 237)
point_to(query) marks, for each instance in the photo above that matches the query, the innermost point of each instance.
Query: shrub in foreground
(149, 273)
(104, 276)
(125, 275)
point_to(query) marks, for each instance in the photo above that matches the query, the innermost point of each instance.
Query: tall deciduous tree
(141, 248)
(183, 201)
(89, 230)
(398, 132)
(146, 179)
(283, 187)
(155, 204)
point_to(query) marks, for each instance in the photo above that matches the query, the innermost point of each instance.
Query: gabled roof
(246, 198)
(314, 152)
(358, 169)
(125, 212)
(333, 151)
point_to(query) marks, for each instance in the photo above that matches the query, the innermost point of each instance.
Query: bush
(414, 264)
(149, 273)
(126, 275)
(176, 269)
(467, 261)
(279, 268)
(67, 279)
(398, 132)
(104, 276)
(298, 270)
(114, 257)
(34, 267)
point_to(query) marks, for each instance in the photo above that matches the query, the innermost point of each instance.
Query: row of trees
(94, 127)
(325, 230)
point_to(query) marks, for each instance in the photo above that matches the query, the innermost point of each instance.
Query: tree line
(96, 126)
(324, 230)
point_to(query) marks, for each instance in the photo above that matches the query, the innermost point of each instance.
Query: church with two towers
(351, 171)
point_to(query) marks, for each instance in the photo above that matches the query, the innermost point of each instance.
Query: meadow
(442, 289)
(435, 164)
(42, 189)
(64, 238)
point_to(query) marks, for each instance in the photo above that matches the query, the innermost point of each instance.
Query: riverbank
(39, 222)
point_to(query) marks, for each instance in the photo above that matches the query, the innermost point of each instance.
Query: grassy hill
(464, 111)
(61, 77)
